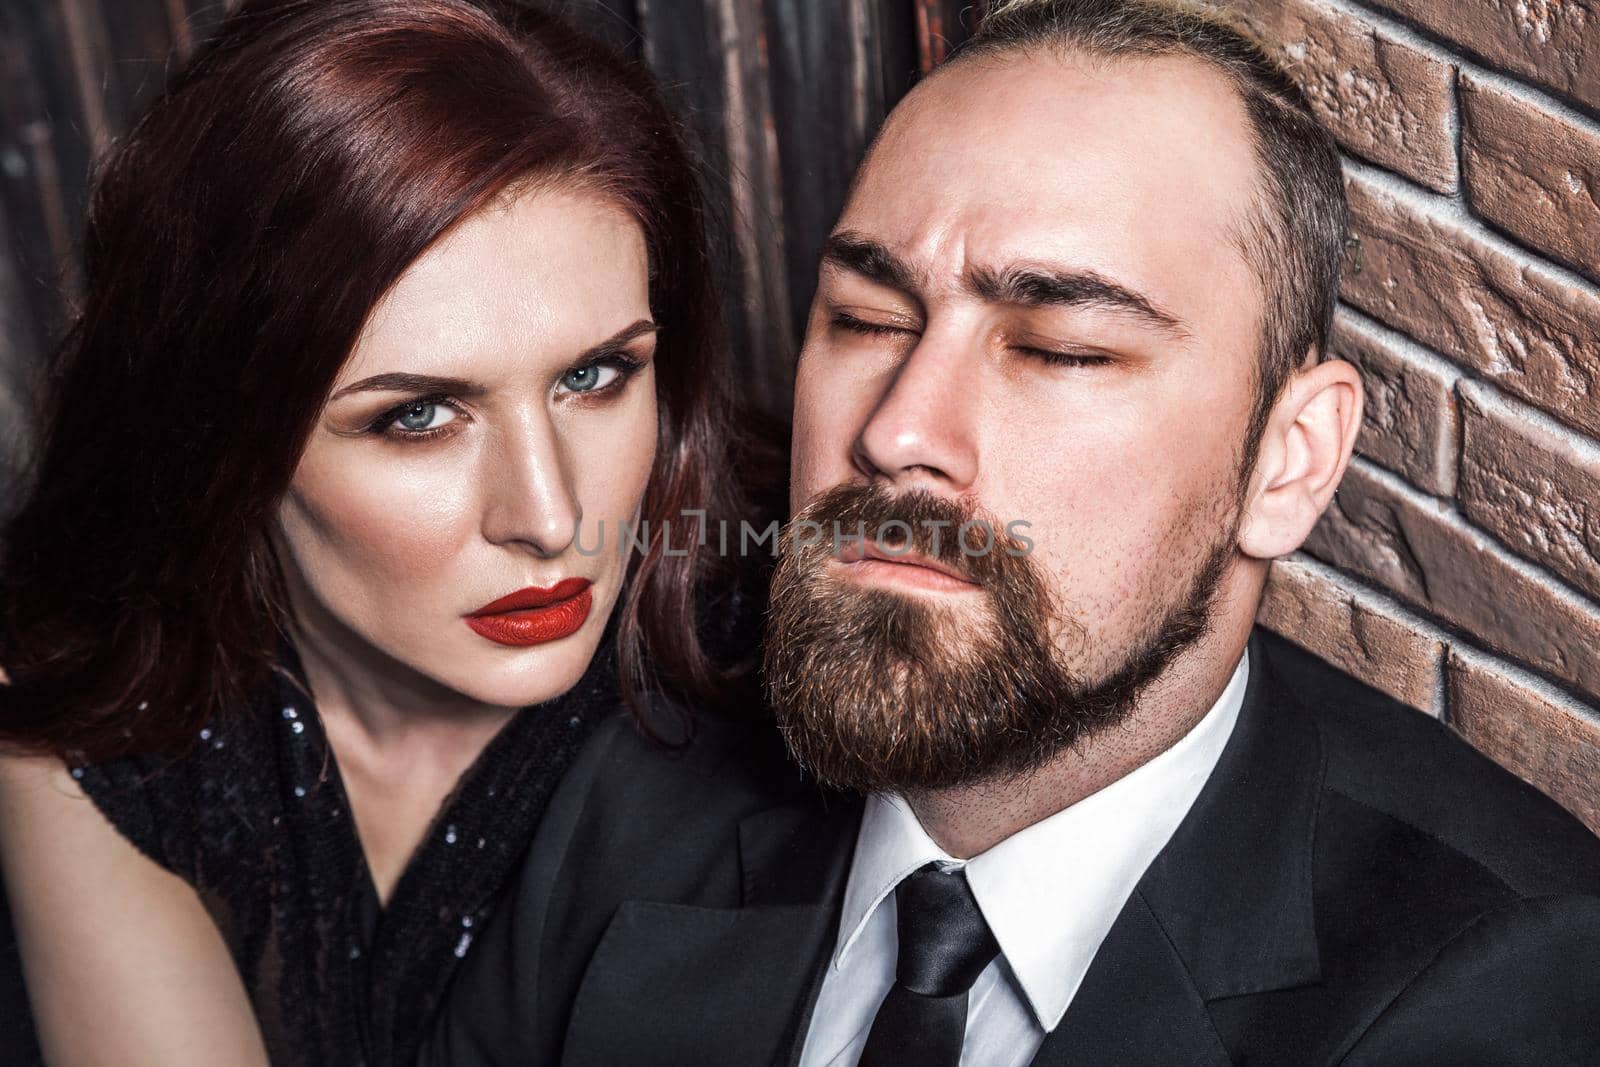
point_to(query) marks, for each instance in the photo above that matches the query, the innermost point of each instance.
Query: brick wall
(1459, 567)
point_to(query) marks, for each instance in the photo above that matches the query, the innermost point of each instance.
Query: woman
(398, 332)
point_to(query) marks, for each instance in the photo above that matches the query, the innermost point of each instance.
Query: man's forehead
(1097, 162)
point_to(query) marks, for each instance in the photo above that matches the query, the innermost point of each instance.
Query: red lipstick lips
(533, 615)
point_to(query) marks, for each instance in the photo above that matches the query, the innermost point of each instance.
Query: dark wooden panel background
(784, 93)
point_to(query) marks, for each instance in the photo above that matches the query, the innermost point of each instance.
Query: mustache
(959, 535)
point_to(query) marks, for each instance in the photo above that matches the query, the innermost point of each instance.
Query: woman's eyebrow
(397, 382)
(400, 382)
(618, 341)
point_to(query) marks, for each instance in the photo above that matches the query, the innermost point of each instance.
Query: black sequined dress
(256, 818)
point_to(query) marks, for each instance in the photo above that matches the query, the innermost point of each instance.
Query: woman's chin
(515, 677)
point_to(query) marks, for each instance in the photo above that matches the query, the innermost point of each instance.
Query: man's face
(1035, 308)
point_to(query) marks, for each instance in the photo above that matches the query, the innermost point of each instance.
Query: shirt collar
(1051, 891)
(890, 845)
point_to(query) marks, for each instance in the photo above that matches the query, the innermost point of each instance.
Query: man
(1062, 400)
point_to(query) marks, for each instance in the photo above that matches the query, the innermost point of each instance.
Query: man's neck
(972, 819)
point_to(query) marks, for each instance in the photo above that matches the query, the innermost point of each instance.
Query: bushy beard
(877, 691)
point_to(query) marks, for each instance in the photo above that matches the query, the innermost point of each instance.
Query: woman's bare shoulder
(118, 953)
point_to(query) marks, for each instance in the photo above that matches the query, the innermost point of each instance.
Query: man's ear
(1303, 455)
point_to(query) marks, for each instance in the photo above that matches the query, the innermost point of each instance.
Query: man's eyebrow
(1043, 287)
(870, 259)
(399, 382)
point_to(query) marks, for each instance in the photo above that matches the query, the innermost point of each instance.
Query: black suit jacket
(1353, 885)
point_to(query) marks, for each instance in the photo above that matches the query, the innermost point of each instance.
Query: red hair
(236, 241)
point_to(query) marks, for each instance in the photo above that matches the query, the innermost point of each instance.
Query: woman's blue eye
(588, 379)
(420, 416)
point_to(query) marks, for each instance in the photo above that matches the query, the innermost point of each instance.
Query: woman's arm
(122, 962)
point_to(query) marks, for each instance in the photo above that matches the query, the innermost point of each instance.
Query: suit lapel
(675, 983)
(1137, 1004)
(1226, 909)
(1233, 888)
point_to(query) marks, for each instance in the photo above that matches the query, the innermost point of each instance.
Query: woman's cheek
(387, 518)
(616, 455)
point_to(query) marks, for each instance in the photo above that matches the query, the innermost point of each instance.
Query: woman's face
(498, 408)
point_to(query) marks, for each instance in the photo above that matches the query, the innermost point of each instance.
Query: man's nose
(924, 427)
(530, 498)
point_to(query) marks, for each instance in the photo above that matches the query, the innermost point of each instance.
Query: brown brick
(1553, 42)
(1533, 484)
(1532, 173)
(1417, 548)
(1543, 737)
(1383, 99)
(1423, 269)
(1321, 610)
(1409, 424)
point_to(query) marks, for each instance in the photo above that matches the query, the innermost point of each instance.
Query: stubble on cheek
(1114, 577)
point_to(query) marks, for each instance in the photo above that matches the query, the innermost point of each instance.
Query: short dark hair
(236, 241)
(1295, 242)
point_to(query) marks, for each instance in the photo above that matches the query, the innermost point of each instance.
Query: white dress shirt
(1050, 894)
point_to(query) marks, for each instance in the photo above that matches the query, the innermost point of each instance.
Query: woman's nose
(529, 494)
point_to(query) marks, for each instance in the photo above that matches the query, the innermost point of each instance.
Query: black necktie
(944, 945)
